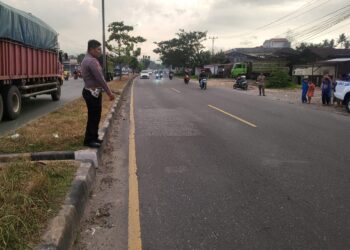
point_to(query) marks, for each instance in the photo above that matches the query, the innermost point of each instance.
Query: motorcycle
(203, 83)
(187, 79)
(75, 75)
(171, 76)
(241, 83)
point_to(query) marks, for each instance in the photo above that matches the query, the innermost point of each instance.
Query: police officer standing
(261, 84)
(94, 84)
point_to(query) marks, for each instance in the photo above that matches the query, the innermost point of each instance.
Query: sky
(236, 23)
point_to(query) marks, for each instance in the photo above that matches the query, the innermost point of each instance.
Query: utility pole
(104, 40)
(213, 38)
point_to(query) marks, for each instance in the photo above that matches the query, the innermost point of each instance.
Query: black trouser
(261, 89)
(326, 99)
(94, 106)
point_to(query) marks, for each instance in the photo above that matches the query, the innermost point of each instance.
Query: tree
(134, 64)
(342, 40)
(279, 79)
(80, 57)
(146, 61)
(204, 57)
(185, 50)
(302, 46)
(125, 49)
(347, 45)
(219, 57)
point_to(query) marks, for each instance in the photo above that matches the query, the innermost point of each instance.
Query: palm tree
(342, 40)
(325, 43)
(347, 44)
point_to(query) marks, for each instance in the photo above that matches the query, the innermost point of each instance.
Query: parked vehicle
(30, 65)
(117, 72)
(342, 93)
(252, 69)
(241, 83)
(66, 70)
(144, 74)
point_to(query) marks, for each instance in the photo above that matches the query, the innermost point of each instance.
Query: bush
(279, 79)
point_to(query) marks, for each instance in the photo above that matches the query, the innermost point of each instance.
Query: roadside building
(314, 72)
(73, 63)
(215, 70)
(320, 61)
(277, 43)
(260, 60)
(341, 66)
(258, 53)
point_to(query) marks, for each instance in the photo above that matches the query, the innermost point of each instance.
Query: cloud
(234, 21)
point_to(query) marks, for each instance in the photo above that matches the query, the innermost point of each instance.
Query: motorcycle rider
(75, 73)
(186, 76)
(202, 75)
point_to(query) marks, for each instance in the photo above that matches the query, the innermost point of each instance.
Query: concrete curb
(40, 156)
(62, 229)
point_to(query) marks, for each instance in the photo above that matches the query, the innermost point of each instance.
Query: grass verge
(30, 195)
(60, 130)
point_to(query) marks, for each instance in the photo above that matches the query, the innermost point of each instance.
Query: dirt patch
(291, 95)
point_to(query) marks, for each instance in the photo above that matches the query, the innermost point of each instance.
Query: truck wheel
(347, 104)
(13, 102)
(1, 108)
(56, 96)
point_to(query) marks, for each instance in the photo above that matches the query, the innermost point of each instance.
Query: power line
(326, 24)
(335, 17)
(305, 12)
(290, 15)
(333, 31)
(327, 27)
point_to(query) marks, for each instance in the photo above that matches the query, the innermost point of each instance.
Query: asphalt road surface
(219, 169)
(35, 107)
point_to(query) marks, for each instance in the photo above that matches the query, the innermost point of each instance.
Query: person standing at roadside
(310, 91)
(326, 90)
(304, 89)
(261, 84)
(94, 84)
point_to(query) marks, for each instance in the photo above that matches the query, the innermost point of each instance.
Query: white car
(144, 74)
(342, 92)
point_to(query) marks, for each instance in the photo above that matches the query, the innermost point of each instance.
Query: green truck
(253, 69)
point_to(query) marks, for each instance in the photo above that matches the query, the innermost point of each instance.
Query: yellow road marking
(134, 228)
(233, 116)
(178, 91)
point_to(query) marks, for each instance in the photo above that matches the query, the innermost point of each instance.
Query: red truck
(30, 62)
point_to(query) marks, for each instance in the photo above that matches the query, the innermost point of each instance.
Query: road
(218, 169)
(36, 107)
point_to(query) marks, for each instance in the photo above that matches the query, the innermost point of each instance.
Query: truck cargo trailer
(29, 60)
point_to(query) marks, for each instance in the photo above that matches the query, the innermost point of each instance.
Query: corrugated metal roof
(339, 60)
(334, 61)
